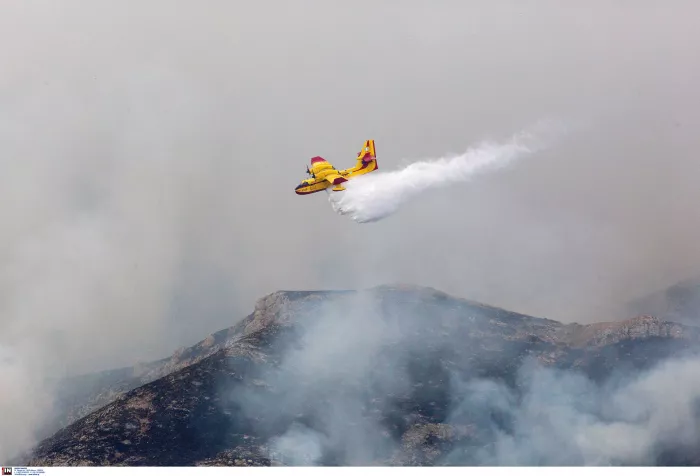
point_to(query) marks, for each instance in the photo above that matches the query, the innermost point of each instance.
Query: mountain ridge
(502, 340)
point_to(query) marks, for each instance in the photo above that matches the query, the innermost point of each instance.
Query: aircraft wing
(335, 178)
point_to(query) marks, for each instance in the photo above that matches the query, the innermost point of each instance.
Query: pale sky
(150, 151)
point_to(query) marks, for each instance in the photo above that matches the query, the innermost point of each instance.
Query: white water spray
(374, 196)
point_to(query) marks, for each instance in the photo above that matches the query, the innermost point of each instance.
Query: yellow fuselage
(322, 171)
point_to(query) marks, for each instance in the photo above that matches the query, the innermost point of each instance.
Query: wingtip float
(323, 175)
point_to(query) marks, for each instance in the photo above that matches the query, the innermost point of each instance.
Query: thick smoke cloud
(326, 374)
(338, 385)
(563, 418)
(149, 155)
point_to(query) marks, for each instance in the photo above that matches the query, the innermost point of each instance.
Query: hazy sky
(150, 151)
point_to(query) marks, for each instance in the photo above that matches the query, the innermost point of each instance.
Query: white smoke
(565, 418)
(299, 446)
(375, 196)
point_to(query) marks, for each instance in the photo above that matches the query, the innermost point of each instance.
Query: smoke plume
(348, 387)
(375, 196)
(562, 417)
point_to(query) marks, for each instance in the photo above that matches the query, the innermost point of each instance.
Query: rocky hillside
(82, 395)
(393, 375)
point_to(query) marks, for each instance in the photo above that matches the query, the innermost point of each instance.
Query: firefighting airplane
(324, 175)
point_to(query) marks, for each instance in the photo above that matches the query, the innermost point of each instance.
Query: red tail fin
(368, 152)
